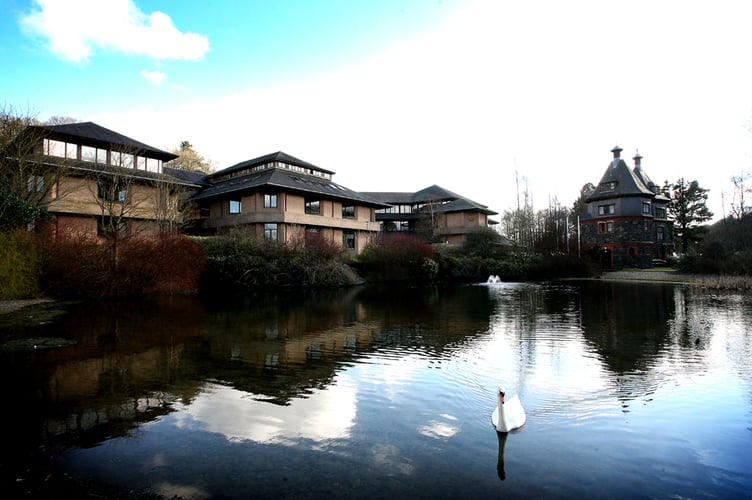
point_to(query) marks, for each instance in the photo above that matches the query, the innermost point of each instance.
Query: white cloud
(156, 77)
(75, 28)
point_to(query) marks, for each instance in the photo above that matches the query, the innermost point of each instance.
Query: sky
(484, 98)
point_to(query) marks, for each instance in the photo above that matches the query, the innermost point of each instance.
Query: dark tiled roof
(186, 176)
(95, 135)
(626, 183)
(262, 160)
(281, 178)
(432, 194)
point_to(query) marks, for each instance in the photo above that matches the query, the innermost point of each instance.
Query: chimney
(637, 160)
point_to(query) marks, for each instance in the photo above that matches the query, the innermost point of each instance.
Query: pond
(630, 389)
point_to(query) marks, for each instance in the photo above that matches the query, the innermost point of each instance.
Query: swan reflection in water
(500, 462)
(507, 416)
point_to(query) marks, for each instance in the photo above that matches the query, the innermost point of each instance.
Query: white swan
(493, 278)
(509, 413)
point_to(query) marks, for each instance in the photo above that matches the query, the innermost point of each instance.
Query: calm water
(631, 390)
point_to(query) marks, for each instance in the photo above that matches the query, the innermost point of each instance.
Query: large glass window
(235, 206)
(102, 156)
(153, 165)
(313, 207)
(71, 151)
(54, 148)
(270, 231)
(270, 201)
(88, 153)
(348, 240)
(348, 211)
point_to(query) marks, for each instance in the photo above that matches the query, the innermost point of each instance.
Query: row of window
(271, 232)
(276, 164)
(411, 209)
(608, 227)
(312, 207)
(91, 154)
(660, 213)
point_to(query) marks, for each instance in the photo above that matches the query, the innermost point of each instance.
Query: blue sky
(398, 95)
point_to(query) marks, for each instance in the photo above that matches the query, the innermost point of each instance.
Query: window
(54, 148)
(606, 227)
(153, 165)
(270, 231)
(88, 153)
(102, 156)
(235, 206)
(660, 233)
(645, 207)
(270, 201)
(313, 207)
(605, 210)
(126, 160)
(35, 183)
(647, 225)
(348, 211)
(111, 226)
(109, 190)
(660, 213)
(71, 151)
(140, 163)
(348, 240)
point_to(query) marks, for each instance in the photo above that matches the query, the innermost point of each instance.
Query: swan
(509, 413)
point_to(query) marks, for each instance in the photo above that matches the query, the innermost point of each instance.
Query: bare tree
(28, 178)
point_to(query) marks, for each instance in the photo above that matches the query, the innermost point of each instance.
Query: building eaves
(286, 180)
(95, 135)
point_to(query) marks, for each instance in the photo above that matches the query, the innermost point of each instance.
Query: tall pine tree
(688, 207)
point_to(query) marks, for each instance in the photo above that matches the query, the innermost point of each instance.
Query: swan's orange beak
(501, 397)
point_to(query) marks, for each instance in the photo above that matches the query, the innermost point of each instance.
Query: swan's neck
(502, 424)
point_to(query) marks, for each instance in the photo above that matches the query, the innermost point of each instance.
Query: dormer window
(606, 209)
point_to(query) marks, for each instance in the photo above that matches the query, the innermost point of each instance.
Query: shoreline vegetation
(660, 275)
(79, 267)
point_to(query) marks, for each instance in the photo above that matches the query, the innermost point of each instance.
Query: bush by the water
(242, 260)
(80, 266)
(399, 257)
(19, 265)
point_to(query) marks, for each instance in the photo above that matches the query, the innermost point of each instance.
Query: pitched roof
(186, 176)
(619, 181)
(279, 156)
(282, 179)
(97, 135)
(432, 194)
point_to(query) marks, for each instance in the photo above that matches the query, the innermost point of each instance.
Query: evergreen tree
(189, 159)
(688, 207)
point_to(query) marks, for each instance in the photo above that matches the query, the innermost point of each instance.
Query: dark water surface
(631, 390)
